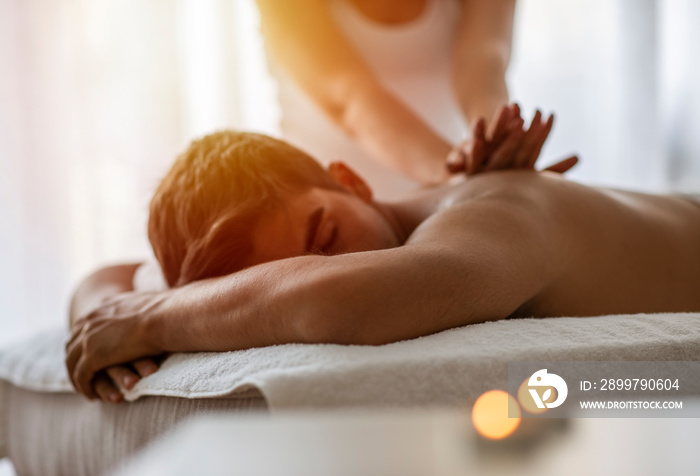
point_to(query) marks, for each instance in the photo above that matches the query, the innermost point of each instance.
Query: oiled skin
(611, 251)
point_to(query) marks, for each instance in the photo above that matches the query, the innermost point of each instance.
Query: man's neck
(407, 214)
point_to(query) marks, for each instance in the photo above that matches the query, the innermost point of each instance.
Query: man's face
(320, 221)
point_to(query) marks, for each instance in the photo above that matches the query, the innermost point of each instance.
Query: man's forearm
(359, 298)
(263, 305)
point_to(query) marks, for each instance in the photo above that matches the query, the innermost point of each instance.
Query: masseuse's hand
(506, 145)
(105, 340)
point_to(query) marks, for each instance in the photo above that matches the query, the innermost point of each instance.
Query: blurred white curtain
(623, 79)
(680, 72)
(98, 96)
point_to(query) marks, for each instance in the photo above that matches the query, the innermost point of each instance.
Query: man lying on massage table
(262, 246)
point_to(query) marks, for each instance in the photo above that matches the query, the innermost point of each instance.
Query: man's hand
(124, 376)
(506, 145)
(91, 293)
(102, 342)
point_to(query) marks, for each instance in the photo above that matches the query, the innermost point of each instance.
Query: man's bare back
(610, 251)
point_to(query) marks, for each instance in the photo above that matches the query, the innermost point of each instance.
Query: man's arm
(465, 266)
(477, 262)
(103, 284)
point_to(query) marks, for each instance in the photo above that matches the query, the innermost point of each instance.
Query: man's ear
(349, 179)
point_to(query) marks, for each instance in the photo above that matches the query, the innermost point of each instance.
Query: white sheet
(449, 368)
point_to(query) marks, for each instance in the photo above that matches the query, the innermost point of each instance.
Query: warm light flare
(490, 414)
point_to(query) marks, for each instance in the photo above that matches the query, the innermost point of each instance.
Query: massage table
(46, 429)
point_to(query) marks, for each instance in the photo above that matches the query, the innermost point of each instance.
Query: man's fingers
(83, 375)
(75, 332)
(106, 390)
(123, 375)
(73, 354)
(145, 367)
(563, 165)
(542, 139)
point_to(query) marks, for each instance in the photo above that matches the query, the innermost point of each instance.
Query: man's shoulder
(496, 202)
(479, 204)
(507, 186)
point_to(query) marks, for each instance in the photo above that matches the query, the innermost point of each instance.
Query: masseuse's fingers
(123, 375)
(469, 155)
(503, 156)
(105, 389)
(543, 137)
(503, 128)
(477, 155)
(530, 142)
(500, 126)
(563, 165)
(456, 159)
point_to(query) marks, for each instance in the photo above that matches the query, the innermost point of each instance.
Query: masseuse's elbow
(489, 56)
(480, 70)
(347, 100)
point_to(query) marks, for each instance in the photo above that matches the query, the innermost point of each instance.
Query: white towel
(449, 368)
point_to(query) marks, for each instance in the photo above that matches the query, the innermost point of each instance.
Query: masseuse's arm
(453, 271)
(304, 40)
(481, 56)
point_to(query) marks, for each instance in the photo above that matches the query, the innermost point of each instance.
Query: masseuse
(387, 85)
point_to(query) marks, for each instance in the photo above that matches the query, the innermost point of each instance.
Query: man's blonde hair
(202, 212)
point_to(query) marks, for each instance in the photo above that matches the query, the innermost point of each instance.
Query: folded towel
(448, 368)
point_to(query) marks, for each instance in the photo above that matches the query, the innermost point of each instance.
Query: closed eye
(326, 250)
(312, 228)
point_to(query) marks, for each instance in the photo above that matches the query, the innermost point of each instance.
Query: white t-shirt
(413, 60)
